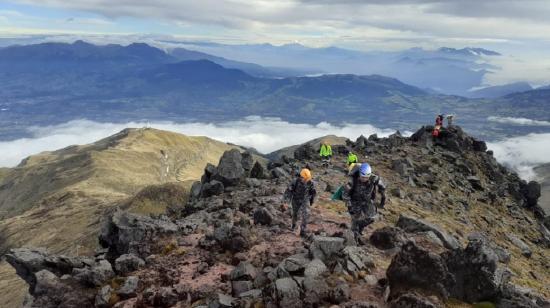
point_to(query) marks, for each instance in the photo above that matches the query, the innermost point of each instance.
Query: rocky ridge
(459, 229)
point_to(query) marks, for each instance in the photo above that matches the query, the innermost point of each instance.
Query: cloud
(333, 20)
(523, 153)
(519, 153)
(518, 121)
(252, 131)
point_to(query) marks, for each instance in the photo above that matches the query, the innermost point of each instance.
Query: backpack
(338, 194)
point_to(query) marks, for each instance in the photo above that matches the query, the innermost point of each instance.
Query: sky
(360, 24)
(520, 30)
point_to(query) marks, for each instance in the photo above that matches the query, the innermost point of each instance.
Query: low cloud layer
(523, 153)
(263, 134)
(518, 121)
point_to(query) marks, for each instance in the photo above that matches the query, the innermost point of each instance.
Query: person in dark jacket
(360, 194)
(301, 194)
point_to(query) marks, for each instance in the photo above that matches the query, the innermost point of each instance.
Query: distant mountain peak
(469, 51)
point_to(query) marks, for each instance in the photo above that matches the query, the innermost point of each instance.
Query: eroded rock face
(125, 233)
(472, 274)
(414, 267)
(387, 238)
(411, 224)
(28, 261)
(477, 276)
(230, 169)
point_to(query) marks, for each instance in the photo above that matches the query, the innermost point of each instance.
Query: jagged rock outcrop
(231, 244)
(125, 233)
(472, 274)
(410, 224)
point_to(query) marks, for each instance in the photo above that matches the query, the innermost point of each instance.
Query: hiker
(301, 195)
(326, 151)
(439, 120)
(438, 126)
(450, 119)
(359, 194)
(352, 158)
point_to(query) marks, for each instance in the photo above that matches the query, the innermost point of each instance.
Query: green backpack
(338, 194)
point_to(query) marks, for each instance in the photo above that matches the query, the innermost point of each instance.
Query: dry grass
(56, 199)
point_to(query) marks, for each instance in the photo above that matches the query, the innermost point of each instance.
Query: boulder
(355, 259)
(125, 233)
(478, 145)
(244, 271)
(209, 172)
(305, 152)
(252, 294)
(326, 248)
(287, 293)
(103, 297)
(417, 268)
(475, 182)
(315, 268)
(315, 291)
(387, 237)
(129, 287)
(340, 294)
(476, 274)
(361, 142)
(525, 250)
(28, 261)
(212, 188)
(262, 216)
(279, 173)
(532, 193)
(96, 275)
(258, 171)
(127, 263)
(410, 300)
(221, 301)
(241, 286)
(294, 264)
(195, 191)
(247, 161)
(46, 282)
(410, 224)
(230, 168)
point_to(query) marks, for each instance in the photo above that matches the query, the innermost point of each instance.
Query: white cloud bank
(518, 121)
(264, 134)
(523, 153)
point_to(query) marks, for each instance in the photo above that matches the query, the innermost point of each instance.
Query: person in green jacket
(352, 158)
(326, 151)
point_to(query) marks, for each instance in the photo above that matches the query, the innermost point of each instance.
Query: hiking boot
(303, 234)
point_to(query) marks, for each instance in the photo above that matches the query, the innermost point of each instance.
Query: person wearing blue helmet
(360, 194)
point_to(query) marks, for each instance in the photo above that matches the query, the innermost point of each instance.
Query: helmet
(305, 174)
(365, 170)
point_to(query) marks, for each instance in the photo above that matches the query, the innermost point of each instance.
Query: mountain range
(445, 70)
(52, 83)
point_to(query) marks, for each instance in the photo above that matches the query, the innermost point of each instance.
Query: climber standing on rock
(360, 194)
(352, 158)
(301, 195)
(326, 151)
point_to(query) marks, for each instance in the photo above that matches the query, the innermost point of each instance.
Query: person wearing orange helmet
(301, 195)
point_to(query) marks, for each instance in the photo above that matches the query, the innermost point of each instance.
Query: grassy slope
(55, 199)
